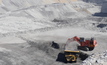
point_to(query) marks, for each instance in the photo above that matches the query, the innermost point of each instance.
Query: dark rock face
(55, 45)
(102, 25)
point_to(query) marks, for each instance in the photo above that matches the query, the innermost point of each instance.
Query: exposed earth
(27, 29)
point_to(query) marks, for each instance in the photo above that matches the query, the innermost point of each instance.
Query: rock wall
(12, 5)
(102, 3)
(104, 8)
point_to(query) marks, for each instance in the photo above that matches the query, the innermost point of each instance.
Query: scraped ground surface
(27, 29)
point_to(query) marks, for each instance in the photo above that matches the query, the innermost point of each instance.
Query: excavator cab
(87, 44)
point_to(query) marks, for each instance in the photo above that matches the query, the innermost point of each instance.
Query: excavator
(85, 44)
(72, 52)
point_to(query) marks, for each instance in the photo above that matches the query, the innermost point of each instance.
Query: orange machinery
(85, 44)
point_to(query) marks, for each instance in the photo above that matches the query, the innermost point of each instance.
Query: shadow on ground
(102, 25)
(100, 14)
